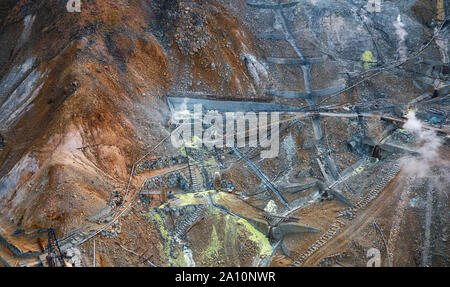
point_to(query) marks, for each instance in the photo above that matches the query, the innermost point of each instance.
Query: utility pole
(93, 257)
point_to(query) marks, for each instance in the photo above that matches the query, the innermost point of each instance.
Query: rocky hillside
(83, 97)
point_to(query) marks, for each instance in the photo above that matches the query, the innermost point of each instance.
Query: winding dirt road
(353, 228)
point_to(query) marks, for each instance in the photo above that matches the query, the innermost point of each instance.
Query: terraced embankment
(365, 210)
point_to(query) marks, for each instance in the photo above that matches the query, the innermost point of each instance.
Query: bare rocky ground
(83, 97)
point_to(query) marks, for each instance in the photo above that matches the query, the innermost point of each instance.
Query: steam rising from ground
(401, 35)
(429, 143)
(428, 166)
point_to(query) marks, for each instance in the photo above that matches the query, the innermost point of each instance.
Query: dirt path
(428, 219)
(365, 217)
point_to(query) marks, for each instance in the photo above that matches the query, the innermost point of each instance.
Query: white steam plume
(401, 35)
(428, 152)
